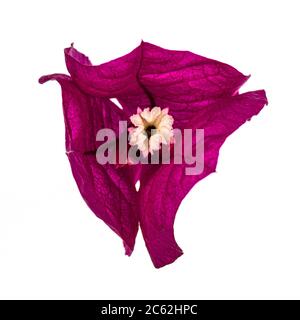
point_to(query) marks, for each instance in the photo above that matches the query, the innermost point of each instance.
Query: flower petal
(136, 120)
(158, 209)
(109, 191)
(154, 142)
(184, 76)
(114, 79)
(155, 112)
(146, 114)
(166, 121)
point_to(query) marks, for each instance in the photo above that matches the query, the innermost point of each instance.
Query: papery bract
(198, 92)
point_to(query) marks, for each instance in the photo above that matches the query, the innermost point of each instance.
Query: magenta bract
(199, 92)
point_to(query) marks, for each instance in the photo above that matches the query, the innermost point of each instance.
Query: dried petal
(162, 191)
(109, 191)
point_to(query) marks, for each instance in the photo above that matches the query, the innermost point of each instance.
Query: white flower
(152, 127)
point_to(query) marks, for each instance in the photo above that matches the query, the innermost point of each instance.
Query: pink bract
(199, 92)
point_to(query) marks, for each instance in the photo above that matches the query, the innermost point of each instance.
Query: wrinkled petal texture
(199, 92)
(158, 209)
(115, 79)
(108, 191)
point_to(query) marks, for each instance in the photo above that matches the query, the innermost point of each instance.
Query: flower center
(151, 129)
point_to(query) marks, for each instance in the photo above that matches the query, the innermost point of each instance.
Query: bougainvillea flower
(158, 89)
(153, 127)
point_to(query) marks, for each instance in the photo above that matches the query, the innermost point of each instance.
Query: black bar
(143, 309)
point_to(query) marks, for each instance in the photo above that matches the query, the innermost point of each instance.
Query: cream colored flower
(152, 127)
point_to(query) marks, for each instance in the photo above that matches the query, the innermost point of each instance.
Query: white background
(239, 228)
